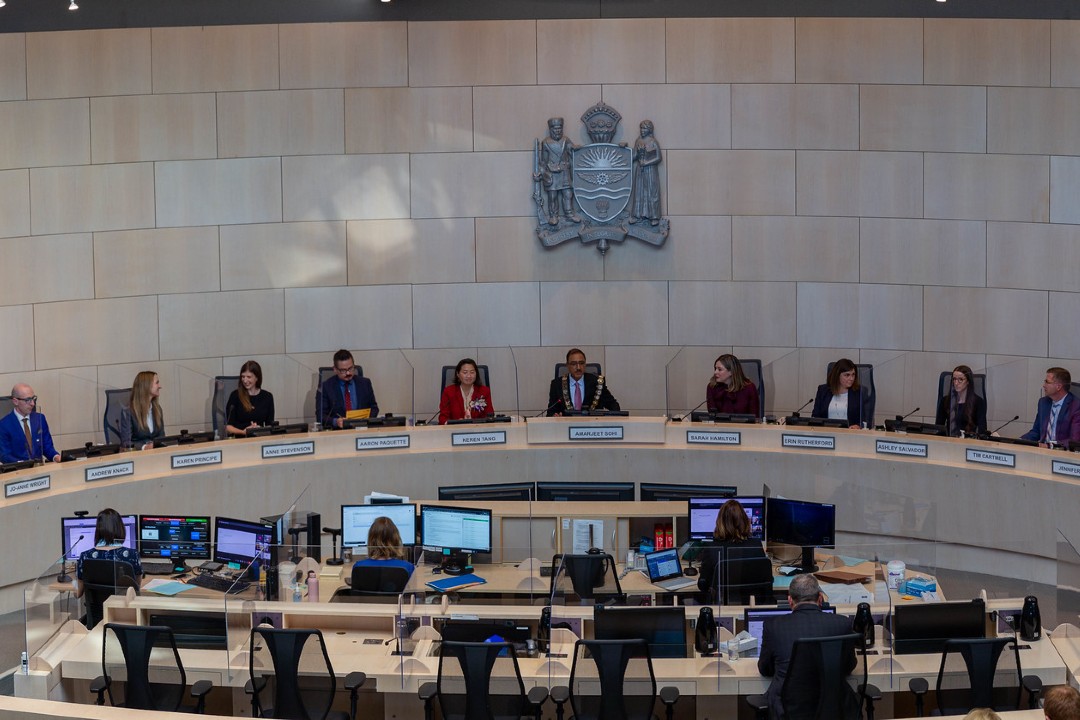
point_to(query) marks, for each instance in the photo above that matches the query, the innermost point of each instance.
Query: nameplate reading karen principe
(907, 449)
(112, 470)
(386, 442)
(212, 457)
(1065, 468)
(288, 449)
(810, 442)
(30, 485)
(987, 457)
(707, 437)
(496, 437)
(596, 432)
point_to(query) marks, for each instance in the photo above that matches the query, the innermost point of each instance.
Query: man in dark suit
(1057, 418)
(805, 621)
(579, 390)
(24, 433)
(344, 392)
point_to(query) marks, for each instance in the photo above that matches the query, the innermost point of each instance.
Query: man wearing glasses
(24, 433)
(348, 390)
(578, 390)
(1056, 420)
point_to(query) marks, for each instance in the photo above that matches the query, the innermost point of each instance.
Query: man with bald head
(24, 433)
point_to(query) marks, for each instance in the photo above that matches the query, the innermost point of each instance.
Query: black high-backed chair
(866, 380)
(101, 580)
(742, 574)
(751, 368)
(325, 373)
(158, 687)
(592, 576)
(981, 657)
(621, 697)
(473, 683)
(483, 377)
(561, 369)
(115, 401)
(6, 405)
(223, 387)
(978, 384)
(373, 584)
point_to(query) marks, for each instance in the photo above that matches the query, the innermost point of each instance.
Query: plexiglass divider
(51, 614)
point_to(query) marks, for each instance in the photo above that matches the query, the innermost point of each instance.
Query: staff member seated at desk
(24, 434)
(729, 391)
(109, 537)
(249, 405)
(384, 546)
(737, 558)
(962, 409)
(143, 420)
(340, 395)
(841, 398)
(579, 390)
(464, 398)
(1056, 419)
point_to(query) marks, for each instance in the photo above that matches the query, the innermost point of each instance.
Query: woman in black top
(249, 405)
(961, 409)
(737, 558)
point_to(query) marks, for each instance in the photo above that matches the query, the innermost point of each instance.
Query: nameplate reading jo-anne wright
(22, 487)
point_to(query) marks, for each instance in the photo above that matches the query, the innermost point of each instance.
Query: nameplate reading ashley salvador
(186, 460)
(988, 457)
(495, 437)
(596, 432)
(29, 485)
(906, 449)
(808, 442)
(710, 437)
(384, 442)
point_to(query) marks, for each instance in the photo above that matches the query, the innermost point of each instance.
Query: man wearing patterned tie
(1057, 419)
(348, 390)
(579, 390)
(24, 433)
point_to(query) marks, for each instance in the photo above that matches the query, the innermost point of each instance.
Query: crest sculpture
(600, 192)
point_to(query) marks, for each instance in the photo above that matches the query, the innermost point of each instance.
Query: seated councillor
(729, 391)
(841, 397)
(732, 544)
(962, 410)
(579, 390)
(249, 405)
(464, 398)
(384, 546)
(24, 433)
(1061, 702)
(344, 393)
(1056, 419)
(142, 421)
(108, 545)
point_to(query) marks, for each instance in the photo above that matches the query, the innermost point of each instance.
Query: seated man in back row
(1057, 419)
(579, 390)
(345, 392)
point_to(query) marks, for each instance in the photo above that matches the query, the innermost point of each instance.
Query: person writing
(841, 397)
(109, 535)
(143, 421)
(24, 433)
(729, 391)
(384, 546)
(344, 393)
(736, 557)
(579, 390)
(249, 405)
(1056, 420)
(465, 398)
(962, 411)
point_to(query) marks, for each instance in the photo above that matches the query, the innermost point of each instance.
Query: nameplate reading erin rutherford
(1065, 468)
(907, 449)
(987, 457)
(386, 442)
(812, 442)
(213, 457)
(22, 487)
(104, 472)
(288, 449)
(708, 437)
(496, 437)
(596, 432)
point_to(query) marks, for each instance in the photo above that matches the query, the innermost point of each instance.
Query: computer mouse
(690, 572)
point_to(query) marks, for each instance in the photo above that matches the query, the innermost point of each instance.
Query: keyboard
(216, 582)
(157, 567)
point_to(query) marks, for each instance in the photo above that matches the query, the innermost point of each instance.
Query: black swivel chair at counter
(373, 584)
(981, 657)
(612, 663)
(116, 399)
(101, 580)
(223, 387)
(592, 577)
(473, 680)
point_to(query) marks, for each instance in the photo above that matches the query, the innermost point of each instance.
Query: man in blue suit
(24, 433)
(1056, 420)
(344, 392)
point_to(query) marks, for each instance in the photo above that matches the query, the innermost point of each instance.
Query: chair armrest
(919, 686)
(871, 692)
(427, 691)
(669, 695)
(757, 702)
(201, 688)
(537, 696)
(354, 680)
(255, 685)
(99, 685)
(560, 694)
(1033, 684)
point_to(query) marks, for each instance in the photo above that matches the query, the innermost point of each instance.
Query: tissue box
(918, 585)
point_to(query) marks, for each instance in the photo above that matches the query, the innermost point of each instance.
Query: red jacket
(452, 405)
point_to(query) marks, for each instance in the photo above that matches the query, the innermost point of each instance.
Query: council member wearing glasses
(24, 433)
(962, 410)
(841, 397)
(579, 390)
(344, 392)
(729, 391)
(465, 398)
(1056, 420)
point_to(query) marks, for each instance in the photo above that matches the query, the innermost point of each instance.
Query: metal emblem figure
(616, 188)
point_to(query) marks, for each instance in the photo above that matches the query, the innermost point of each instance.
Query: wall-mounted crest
(602, 191)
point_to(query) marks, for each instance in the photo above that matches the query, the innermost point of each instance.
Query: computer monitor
(72, 528)
(357, 519)
(497, 491)
(666, 491)
(702, 513)
(455, 532)
(585, 491)
(663, 627)
(797, 522)
(924, 627)
(238, 543)
(754, 620)
(175, 537)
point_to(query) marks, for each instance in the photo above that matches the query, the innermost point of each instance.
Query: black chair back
(592, 368)
(866, 382)
(101, 580)
(145, 687)
(752, 370)
(303, 678)
(981, 656)
(480, 681)
(743, 573)
(223, 387)
(820, 663)
(591, 575)
(115, 402)
(624, 671)
(6, 406)
(372, 580)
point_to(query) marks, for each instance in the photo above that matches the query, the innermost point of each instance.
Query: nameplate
(213, 457)
(496, 437)
(596, 432)
(1065, 468)
(30, 485)
(812, 442)
(386, 442)
(986, 457)
(288, 449)
(104, 472)
(699, 437)
(907, 449)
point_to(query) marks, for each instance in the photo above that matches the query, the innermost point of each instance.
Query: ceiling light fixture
(73, 6)
(2, 3)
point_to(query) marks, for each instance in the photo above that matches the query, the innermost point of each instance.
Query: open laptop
(665, 570)
(754, 621)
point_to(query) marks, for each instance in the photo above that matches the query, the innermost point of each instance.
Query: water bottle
(312, 586)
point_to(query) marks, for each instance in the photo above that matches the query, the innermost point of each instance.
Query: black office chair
(866, 381)
(483, 684)
(978, 384)
(561, 369)
(482, 376)
(159, 686)
(981, 656)
(223, 387)
(115, 402)
(819, 664)
(303, 678)
(101, 580)
(742, 574)
(373, 584)
(624, 671)
(6, 405)
(752, 370)
(591, 576)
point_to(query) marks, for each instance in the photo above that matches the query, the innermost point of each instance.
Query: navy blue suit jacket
(330, 400)
(860, 408)
(13, 439)
(1068, 424)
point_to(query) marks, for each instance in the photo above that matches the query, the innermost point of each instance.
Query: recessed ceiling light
(73, 6)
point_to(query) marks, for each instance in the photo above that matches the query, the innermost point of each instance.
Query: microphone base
(63, 578)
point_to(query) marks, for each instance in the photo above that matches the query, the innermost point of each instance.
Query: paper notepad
(167, 587)
(455, 582)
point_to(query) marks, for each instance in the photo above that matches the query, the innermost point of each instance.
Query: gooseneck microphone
(796, 413)
(428, 421)
(63, 577)
(546, 410)
(902, 418)
(683, 417)
(998, 429)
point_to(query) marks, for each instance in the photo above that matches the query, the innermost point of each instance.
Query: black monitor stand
(456, 563)
(807, 565)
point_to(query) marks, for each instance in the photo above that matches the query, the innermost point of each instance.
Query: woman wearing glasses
(962, 410)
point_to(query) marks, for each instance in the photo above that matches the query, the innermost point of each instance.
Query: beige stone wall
(902, 191)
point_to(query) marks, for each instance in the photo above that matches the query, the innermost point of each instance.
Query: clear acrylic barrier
(1067, 605)
(51, 613)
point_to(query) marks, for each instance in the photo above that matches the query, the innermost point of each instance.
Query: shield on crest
(603, 178)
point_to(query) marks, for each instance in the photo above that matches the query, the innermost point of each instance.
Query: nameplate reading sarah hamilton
(986, 457)
(707, 437)
(30, 485)
(907, 449)
(104, 472)
(386, 442)
(811, 442)
(597, 432)
(212, 457)
(288, 449)
(1065, 468)
(496, 437)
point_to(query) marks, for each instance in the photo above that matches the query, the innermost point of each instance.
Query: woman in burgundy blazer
(465, 398)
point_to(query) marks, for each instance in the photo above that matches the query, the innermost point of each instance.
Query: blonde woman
(142, 420)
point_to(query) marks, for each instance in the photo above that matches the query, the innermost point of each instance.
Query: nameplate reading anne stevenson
(280, 450)
(809, 442)
(186, 460)
(987, 457)
(22, 487)
(596, 432)
(495, 437)
(385, 442)
(112, 470)
(709, 437)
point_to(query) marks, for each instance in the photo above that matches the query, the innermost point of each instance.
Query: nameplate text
(811, 442)
(288, 449)
(212, 457)
(986, 457)
(30, 485)
(104, 472)
(704, 437)
(1065, 468)
(907, 449)
(596, 432)
(497, 437)
(385, 442)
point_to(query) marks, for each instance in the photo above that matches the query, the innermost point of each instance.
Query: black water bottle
(271, 582)
(705, 635)
(863, 624)
(1030, 620)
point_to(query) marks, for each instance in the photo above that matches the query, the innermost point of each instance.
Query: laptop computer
(754, 621)
(665, 570)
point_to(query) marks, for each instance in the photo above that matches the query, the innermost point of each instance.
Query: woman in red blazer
(465, 399)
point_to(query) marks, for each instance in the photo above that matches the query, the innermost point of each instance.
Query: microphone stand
(63, 577)
(796, 413)
(683, 417)
(999, 428)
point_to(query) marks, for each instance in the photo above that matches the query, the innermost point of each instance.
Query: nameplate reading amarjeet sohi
(186, 460)
(104, 472)
(596, 432)
(386, 442)
(809, 442)
(496, 437)
(288, 449)
(709, 437)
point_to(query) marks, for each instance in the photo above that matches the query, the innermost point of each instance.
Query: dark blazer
(557, 406)
(745, 568)
(777, 640)
(13, 439)
(978, 415)
(131, 435)
(860, 408)
(452, 405)
(330, 399)
(1068, 424)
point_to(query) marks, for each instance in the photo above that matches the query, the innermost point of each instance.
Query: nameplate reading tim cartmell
(112, 470)
(986, 457)
(281, 450)
(386, 442)
(22, 487)
(808, 442)
(186, 460)
(709, 437)
(495, 437)
(596, 432)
